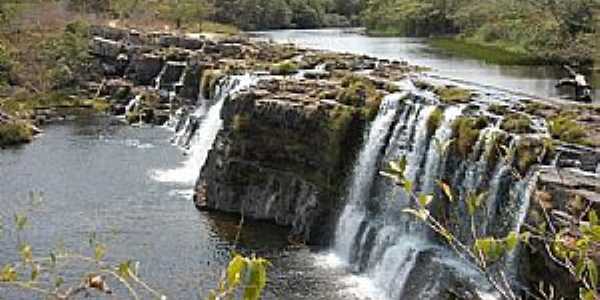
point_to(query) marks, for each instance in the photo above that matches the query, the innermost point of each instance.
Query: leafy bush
(13, 133)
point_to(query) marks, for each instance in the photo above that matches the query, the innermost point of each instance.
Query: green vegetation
(453, 95)
(13, 133)
(491, 53)
(466, 133)
(563, 127)
(528, 152)
(360, 92)
(498, 31)
(284, 68)
(517, 123)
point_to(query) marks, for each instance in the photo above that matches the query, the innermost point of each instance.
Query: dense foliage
(552, 30)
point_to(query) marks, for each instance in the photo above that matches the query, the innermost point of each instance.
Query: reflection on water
(537, 80)
(94, 174)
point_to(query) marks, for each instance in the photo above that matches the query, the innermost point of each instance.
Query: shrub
(13, 133)
(284, 68)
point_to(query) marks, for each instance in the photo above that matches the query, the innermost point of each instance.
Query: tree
(185, 11)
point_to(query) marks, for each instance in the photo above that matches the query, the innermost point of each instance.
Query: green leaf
(257, 279)
(35, 271)
(399, 166)
(425, 200)
(446, 189)
(580, 268)
(235, 270)
(9, 274)
(592, 272)
(20, 221)
(99, 252)
(59, 281)
(593, 218)
(512, 240)
(587, 295)
(408, 186)
(124, 269)
(26, 253)
(421, 214)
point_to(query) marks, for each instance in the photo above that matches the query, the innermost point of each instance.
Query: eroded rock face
(281, 158)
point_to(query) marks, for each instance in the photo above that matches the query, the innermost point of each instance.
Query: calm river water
(536, 81)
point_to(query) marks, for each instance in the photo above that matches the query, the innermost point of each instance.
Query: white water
(205, 135)
(363, 175)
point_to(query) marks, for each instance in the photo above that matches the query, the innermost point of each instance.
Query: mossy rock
(466, 133)
(498, 109)
(563, 127)
(517, 123)
(285, 68)
(453, 95)
(14, 133)
(528, 152)
(434, 121)
(210, 78)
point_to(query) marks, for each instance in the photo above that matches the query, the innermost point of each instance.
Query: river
(96, 175)
(531, 80)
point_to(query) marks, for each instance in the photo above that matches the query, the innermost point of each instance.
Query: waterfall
(363, 174)
(203, 131)
(376, 240)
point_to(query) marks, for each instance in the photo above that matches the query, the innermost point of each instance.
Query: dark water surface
(95, 176)
(532, 80)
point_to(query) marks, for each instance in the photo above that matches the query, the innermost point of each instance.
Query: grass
(24, 105)
(517, 123)
(528, 152)
(360, 92)
(214, 27)
(14, 133)
(490, 53)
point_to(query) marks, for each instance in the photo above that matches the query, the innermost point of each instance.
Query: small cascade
(200, 130)
(133, 103)
(374, 237)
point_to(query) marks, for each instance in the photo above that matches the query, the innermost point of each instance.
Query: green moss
(210, 78)
(493, 149)
(284, 68)
(517, 123)
(498, 109)
(434, 121)
(453, 95)
(14, 133)
(564, 128)
(536, 107)
(466, 133)
(133, 117)
(527, 153)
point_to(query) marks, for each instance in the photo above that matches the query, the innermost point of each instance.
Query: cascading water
(205, 132)
(375, 238)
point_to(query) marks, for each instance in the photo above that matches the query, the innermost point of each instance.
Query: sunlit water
(537, 81)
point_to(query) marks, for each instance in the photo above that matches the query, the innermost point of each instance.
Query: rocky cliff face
(282, 156)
